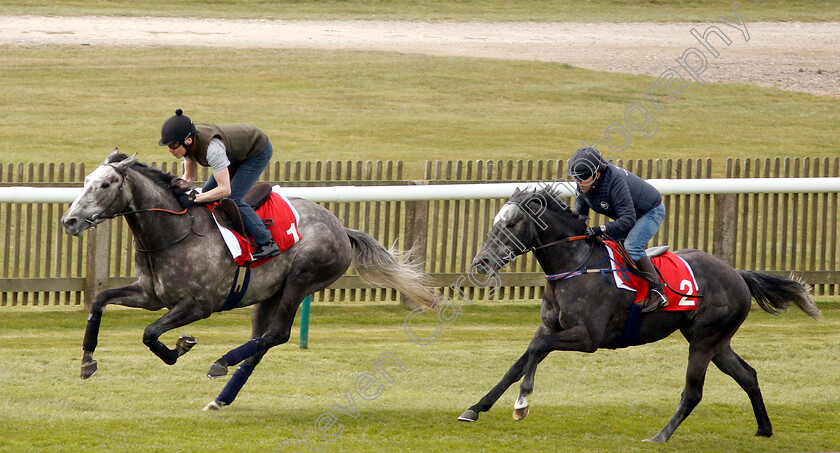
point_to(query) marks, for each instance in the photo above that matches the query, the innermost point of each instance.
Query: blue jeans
(242, 177)
(645, 228)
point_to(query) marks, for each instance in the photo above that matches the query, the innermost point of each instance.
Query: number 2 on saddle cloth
(673, 271)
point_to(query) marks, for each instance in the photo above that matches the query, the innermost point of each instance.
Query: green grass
(76, 103)
(490, 10)
(607, 401)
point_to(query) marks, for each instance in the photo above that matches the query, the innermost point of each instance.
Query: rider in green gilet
(237, 154)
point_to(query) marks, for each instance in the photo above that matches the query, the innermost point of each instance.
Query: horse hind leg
(698, 363)
(272, 325)
(730, 363)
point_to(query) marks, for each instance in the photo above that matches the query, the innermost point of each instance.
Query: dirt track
(794, 56)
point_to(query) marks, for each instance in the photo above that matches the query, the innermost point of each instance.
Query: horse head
(530, 219)
(107, 192)
(102, 195)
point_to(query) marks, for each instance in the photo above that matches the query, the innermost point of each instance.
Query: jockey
(634, 205)
(237, 153)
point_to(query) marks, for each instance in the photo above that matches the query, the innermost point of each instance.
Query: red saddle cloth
(284, 228)
(673, 270)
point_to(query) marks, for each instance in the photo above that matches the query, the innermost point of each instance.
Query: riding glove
(188, 199)
(593, 232)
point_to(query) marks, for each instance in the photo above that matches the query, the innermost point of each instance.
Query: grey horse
(586, 312)
(183, 265)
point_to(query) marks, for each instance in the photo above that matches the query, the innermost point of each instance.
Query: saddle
(228, 215)
(653, 252)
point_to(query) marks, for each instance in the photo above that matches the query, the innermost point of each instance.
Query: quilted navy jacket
(621, 196)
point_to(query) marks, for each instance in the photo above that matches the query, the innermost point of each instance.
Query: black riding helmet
(585, 162)
(176, 129)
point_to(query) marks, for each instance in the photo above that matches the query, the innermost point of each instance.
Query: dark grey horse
(587, 312)
(182, 264)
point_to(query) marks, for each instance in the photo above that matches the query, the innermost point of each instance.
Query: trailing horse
(585, 312)
(183, 264)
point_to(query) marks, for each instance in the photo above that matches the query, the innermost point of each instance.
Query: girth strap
(631, 327)
(238, 288)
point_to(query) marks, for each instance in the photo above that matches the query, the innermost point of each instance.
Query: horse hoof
(88, 369)
(185, 343)
(213, 406)
(655, 439)
(217, 370)
(469, 415)
(519, 414)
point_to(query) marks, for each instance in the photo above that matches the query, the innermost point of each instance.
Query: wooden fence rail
(40, 265)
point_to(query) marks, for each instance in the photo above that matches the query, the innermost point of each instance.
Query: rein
(577, 270)
(568, 239)
(97, 219)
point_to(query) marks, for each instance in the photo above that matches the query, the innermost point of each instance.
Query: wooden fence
(40, 265)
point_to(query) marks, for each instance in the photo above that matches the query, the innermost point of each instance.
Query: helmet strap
(187, 147)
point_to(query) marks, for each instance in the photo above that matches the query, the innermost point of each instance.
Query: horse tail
(381, 267)
(774, 294)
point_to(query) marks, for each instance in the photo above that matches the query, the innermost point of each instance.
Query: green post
(304, 323)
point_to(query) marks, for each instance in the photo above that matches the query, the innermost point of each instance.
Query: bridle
(96, 219)
(565, 240)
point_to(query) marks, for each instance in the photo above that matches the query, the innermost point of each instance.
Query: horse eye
(511, 224)
(106, 185)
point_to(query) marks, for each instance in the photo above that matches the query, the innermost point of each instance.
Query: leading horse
(182, 264)
(586, 312)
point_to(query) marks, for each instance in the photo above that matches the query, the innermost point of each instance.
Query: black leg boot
(656, 292)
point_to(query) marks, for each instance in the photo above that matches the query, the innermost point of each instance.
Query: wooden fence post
(416, 228)
(723, 245)
(98, 261)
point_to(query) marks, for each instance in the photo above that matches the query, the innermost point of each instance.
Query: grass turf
(606, 401)
(76, 103)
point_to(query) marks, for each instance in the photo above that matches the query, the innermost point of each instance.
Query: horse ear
(110, 156)
(516, 191)
(125, 163)
(181, 183)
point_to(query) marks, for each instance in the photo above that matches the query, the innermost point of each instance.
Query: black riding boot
(266, 250)
(656, 294)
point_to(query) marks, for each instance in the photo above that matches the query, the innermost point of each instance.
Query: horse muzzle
(485, 266)
(75, 225)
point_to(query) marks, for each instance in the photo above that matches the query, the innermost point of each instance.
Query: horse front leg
(186, 311)
(576, 338)
(514, 374)
(130, 296)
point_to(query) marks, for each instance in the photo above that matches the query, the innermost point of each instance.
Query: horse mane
(159, 177)
(553, 193)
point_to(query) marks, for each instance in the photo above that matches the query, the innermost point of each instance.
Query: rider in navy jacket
(634, 205)
(620, 195)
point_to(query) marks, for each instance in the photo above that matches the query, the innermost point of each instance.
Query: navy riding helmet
(585, 162)
(176, 129)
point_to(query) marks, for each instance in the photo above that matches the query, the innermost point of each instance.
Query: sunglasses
(174, 145)
(583, 178)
